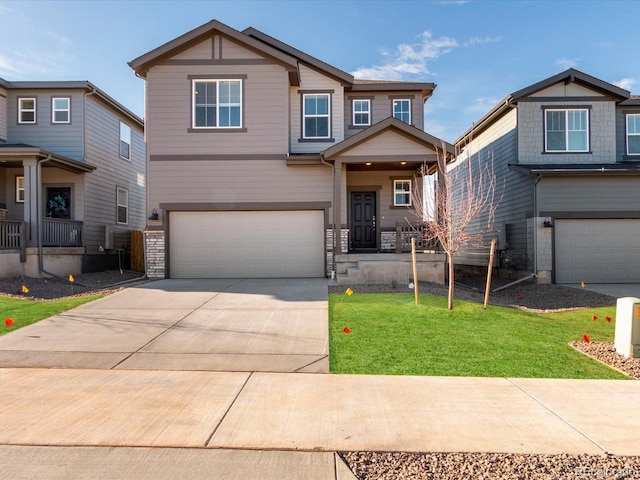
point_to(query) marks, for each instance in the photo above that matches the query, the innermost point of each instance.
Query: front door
(363, 220)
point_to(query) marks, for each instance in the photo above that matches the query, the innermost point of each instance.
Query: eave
(577, 169)
(16, 153)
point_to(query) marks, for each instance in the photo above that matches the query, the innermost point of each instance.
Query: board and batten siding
(103, 152)
(312, 80)
(65, 138)
(496, 146)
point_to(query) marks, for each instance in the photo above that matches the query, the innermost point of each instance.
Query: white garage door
(258, 244)
(597, 251)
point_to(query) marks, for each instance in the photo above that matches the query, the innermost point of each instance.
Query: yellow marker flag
(25, 289)
(582, 284)
(71, 279)
(348, 291)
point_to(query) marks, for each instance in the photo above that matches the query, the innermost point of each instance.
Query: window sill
(316, 140)
(589, 152)
(398, 207)
(355, 127)
(216, 130)
(631, 158)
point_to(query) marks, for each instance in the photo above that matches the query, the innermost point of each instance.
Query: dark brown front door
(363, 220)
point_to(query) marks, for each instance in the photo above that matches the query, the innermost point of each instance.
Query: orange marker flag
(25, 289)
(608, 319)
(71, 279)
(586, 338)
(582, 284)
(346, 330)
(594, 318)
(9, 322)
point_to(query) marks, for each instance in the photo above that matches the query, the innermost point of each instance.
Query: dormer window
(566, 130)
(633, 134)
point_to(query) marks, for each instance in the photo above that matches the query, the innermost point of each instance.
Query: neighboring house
(567, 150)
(73, 178)
(256, 150)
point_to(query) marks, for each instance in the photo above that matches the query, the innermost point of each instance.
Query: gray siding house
(72, 177)
(567, 150)
(264, 161)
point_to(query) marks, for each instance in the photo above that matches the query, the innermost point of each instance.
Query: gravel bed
(84, 284)
(606, 353)
(477, 466)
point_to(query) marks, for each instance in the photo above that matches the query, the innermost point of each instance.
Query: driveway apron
(243, 325)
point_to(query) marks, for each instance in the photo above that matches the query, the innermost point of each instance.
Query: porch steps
(376, 272)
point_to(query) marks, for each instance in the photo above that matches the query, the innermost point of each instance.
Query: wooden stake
(486, 292)
(415, 269)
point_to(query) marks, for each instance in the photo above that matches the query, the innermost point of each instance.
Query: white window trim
(54, 109)
(121, 205)
(368, 111)
(393, 107)
(395, 191)
(22, 110)
(566, 129)
(217, 83)
(327, 116)
(627, 134)
(19, 189)
(125, 140)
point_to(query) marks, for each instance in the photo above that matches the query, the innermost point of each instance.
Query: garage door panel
(256, 244)
(597, 251)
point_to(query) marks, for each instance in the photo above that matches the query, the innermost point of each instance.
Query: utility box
(627, 339)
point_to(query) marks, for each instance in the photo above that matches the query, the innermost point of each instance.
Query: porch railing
(61, 233)
(11, 235)
(405, 231)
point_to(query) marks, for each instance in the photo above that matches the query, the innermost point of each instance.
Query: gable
(563, 89)
(218, 47)
(389, 142)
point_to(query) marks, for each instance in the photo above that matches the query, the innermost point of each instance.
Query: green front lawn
(25, 312)
(390, 335)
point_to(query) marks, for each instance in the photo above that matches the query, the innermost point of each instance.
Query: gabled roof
(18, 151)
(75, 85)
(571, 75)
(388, 124)
(142, 64)
(634, 100)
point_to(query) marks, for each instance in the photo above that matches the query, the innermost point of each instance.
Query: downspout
(335, 215)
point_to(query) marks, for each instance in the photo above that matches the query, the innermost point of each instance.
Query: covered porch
(41, 212)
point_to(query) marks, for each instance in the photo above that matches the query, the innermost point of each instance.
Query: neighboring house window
(60, 110)
(566, 130)
(122, 200)
(402, 110)
(26, 110)
(20, 189)
(361, 113)
(315, 113)
(633, 134)
(125, 141)
(402, 193)
(217, 103)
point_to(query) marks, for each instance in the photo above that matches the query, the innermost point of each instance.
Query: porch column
(337, 209)
(31, 199)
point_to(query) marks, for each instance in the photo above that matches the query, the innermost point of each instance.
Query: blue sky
(477, 52)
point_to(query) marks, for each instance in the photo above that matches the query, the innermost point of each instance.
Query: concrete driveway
(265, 325)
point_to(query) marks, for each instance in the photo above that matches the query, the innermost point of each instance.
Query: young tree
(463, 193)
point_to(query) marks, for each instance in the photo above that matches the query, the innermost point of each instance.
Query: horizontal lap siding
(389, 143)
(3, 115)
(103, 143)
(169, 111)
(382, 107)
(589, 194)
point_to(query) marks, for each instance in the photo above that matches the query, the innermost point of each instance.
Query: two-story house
(72, 177)
(567, 150)
(257, 153)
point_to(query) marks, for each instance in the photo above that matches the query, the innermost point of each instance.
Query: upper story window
(27, 110)
(122, 201)
(633, 134)
(566, 130)
(61, 110)
(402, 109)
(361, 113)
(125, 141)
(217, 103)
(402, 193)
(316, 118)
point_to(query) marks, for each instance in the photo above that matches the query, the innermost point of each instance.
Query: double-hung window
(566, 130)
(361, 113)
(60, 110)
(20, 189)
(27, 110)
(633, 134)
(316, 118)
(125, 141)
(402, 193)
(122, 209)
(402, 109)
(217, 103)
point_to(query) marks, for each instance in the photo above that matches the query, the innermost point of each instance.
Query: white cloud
(626, 83)
(52, 59)
(481, 40)
(566, 63)
(481, 105)
(409, 59)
